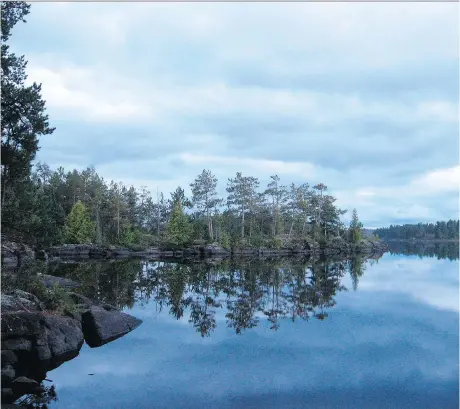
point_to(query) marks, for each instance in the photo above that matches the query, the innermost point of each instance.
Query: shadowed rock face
(101, 325)
(35, 342)
(32, 344)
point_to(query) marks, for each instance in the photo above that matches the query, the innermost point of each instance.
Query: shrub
(275, 243)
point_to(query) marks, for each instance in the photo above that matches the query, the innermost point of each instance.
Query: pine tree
(79, 228)
(205, 196)
(179, 230)
(278, 197)
(23, 121)
(354, 230)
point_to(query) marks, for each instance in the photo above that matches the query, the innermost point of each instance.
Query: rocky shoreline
(13, 253)
(36, 340)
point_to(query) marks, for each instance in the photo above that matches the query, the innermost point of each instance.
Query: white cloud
(429, 184)
(95, 94)
(408, 201)
(183, 81)
(70, 92)
(437, 181)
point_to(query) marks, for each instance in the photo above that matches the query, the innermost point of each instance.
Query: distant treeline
(428, 231)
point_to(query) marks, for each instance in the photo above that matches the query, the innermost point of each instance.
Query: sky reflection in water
(391, 344)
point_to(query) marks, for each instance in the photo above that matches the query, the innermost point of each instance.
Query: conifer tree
(79, 228)
(355, 228)
(179, 230)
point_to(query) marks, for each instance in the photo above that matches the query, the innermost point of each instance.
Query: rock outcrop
(13, 253)
(32, 344)
(102, 325)
(11, 256)
(35, 341)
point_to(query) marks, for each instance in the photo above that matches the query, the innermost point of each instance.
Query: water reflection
(440, 250)
(248, 290)
(40, 400)
(390, 344)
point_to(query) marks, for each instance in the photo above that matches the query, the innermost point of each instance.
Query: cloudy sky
(360, 96)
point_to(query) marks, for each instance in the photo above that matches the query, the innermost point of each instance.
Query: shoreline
(14, 253)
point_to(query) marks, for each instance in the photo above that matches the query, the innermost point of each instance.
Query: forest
(441, 230)
(81, 207)
(78, 206)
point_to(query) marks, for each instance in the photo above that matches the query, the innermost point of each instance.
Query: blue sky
(361, 97)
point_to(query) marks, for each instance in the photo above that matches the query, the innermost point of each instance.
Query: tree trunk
(118, 219)
(304, 224)
(209, 225)
(242, 222)
(210, 229)
(98, 227)
(290, 230)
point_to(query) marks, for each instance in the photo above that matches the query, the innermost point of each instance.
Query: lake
(379, 333)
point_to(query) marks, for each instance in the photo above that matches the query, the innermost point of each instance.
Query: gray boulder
(8, 373)
(8, 357)
(20, 301)
(44, 336)
(215, 250)
(102, 325)
(60, 339)
(49, 281)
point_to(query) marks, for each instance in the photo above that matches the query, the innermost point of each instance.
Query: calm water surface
(285, 335)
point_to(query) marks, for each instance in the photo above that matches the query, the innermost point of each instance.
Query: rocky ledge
(35, 341)
(12, 253)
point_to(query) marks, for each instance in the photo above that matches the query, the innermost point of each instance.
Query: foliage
(58, 299)
(23, 121)
(179, 230)
(354, 230)
(275, 243)
(79, 228)
(225, 241)
(55, 298)
(205, 197)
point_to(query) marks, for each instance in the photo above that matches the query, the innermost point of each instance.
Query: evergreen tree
(205, 196)
(242, 194)
(354, 230)
(179, 230)
(79, 228)
(23, 121)
(278, 198)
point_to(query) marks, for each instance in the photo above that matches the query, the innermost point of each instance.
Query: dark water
(291, 334)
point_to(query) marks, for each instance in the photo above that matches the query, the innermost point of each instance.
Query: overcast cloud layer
(360, 96)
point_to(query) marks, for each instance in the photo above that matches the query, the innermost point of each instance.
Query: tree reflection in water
(440, 250)
(247, 290)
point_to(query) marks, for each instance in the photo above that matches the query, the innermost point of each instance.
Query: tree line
(81, 207)
(57, 206)
(441, 230)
